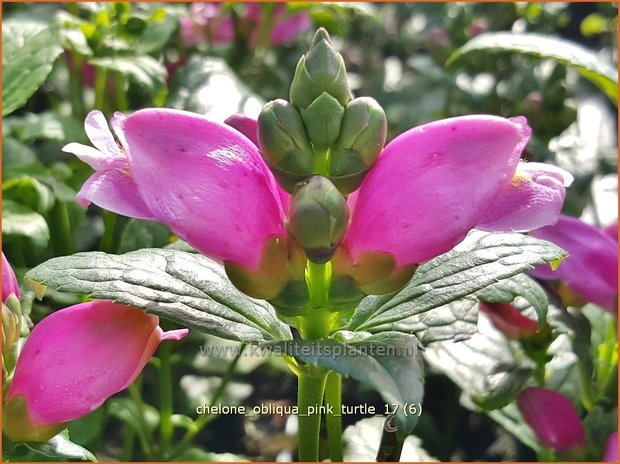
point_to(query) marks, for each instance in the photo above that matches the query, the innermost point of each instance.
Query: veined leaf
(186, 288)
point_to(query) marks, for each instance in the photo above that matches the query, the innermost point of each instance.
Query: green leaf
(30, 192)
(489, 368)
(600, 72)
(21, 221)
(157, 32)
(143, 234)
(145, 71)
(519, 286)
(389, 362)
(482, 259)
(199, 455)
(48, 125)
(200, 85)
(58, 449)
(28, 55)
(187, 288)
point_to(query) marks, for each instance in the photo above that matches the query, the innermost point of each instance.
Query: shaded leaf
(187, 288)
(28, 55)
(481, 260)
(598, 71)
(20, 221)
(57, 449)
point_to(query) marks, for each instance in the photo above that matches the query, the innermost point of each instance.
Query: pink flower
(552, 417)
(207, 23)
(591, 268)
(509, 320)
(611, 448)
(208, 182)
(9, 281)
(74, 360)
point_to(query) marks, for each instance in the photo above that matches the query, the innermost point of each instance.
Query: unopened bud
(322, 69)
(318, 218)
(11, 331)
(284, 144)
(322, 119)
(362, 136)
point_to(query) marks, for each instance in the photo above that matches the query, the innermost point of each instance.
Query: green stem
(60, 229)
(321, 163)
(143, 433)
(165, 393)
(101, 78)
(128, 444)
(204, 419)
(333, 422)
(318, 277)
(76, 86)
(310, 389)
(121, 96)
(585, 385)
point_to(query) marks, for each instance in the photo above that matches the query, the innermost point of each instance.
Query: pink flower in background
(509, 320)
(210, 23)
(207, 22)
(591, 268)
(611, 448)
(552, 417)
(74, 360)
(9, 281)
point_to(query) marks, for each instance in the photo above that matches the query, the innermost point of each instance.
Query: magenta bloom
(552, 417)
(509, 320)
(591, 268)
(74, 360)
(9, 281)
(611, 448)
(208, 23)
(208, 182)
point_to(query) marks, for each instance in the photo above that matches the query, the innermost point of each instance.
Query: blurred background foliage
(418, 60)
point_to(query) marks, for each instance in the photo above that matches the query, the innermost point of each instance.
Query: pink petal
(552, 417)
(509, 320)
(191, 33)
(206, 181)
(611, 448)
(433, 184)
(612, 230)
(91, 156)
(10, 286)
(224, 31)
(99, 134)
(290, 28)
(116, 191)
(531, 200)
(246, 125)
(118, 124)
(591, 268)
(77, 357)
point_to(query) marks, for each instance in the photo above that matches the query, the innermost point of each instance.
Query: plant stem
(76, 87)
(333, 398)
(60, 229)
(585, 385)
(321, 163)
(101, 78)
(310, 389)
(165, 397)
(130, 438)
(317, 280)
(121, 96)
(143, 432)
(204, 419)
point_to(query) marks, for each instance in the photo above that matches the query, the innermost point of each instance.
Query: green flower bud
(321, 70)
(362, 136)
(284, 144)
(322, 120)
(318, 218)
